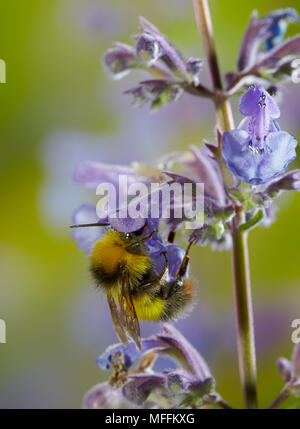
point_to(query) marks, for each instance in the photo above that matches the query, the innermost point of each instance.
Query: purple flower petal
(104, 396)
(255, 166)
(148, 49)
(91, 174)
(127, 224)
(141, 386)
(175, 255)
(182, 350)
(270, 30)
(279, 153)
(194, 69)
(86, 238)
(157, 46)
(280, 19)
(156, 91)
(256, 32)
(206, 170)
(284, 367)
(291, 47)
(120, 60)
(251, 101)
(188, 383)
(289, 181)
(130, 352)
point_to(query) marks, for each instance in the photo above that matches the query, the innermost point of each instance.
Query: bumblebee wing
(128, 315)
(116, 319)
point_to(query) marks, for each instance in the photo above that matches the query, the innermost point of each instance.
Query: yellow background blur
(58, 108)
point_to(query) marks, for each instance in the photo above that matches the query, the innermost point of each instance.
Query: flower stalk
(283, 396)
(223, 108)
(241, 275)
(244, 314)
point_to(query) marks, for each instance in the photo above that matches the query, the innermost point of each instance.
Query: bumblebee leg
(185, 262)
(171, 237)
(157, 282)
(164, 272)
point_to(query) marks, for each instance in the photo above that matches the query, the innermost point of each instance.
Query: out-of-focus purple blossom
(154, 53)
(86, 237)
(258, 151)
(91, 174)
(97, 19)
(273, 62)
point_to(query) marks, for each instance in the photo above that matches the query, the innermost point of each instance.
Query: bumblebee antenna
(85, 225)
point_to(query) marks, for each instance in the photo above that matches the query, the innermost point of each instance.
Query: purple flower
(154, 53)
(264, 54)
(91, 174)
(258, 151)
(104, 396)
(140, 386)
(279, 20)
(184, 352)
(130, 353)
(190, 384)
(290, 370)
(205, 169)
(175, 255)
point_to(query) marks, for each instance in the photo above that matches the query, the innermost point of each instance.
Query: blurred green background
(58, 108)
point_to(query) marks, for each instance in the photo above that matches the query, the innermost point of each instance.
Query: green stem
(283, 395)
(241, 276)
(244, 314)
(223, 108)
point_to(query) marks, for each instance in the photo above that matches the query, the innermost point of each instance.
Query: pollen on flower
(119, 371)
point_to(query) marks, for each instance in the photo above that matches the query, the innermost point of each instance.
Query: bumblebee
(122, 267)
